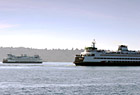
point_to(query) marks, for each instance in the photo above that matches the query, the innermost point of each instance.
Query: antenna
(93, 43)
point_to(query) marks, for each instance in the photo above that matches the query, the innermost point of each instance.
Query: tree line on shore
(49, 55)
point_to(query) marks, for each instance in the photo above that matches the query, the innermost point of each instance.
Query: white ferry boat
(94, 57)
(22, 59)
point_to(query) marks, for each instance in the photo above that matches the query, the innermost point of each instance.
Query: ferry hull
(25, 62)
(107, 64)
(22, 62)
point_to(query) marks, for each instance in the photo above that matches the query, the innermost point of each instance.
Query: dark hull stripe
(22, 62)
(108, 64)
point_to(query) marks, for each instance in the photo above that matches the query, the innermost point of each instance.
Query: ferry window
(93, 54)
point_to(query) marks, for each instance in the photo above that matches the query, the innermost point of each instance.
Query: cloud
(3, 26)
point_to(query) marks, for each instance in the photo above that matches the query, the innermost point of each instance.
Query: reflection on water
(59, 78)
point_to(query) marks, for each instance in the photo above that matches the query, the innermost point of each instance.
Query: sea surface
(61, 78)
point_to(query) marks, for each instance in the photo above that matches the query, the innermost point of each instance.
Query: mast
(93, 43)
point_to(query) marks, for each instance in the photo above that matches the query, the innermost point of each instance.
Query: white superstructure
(22, 59)
(93, 56)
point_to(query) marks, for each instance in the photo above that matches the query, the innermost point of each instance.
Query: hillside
(54, 55)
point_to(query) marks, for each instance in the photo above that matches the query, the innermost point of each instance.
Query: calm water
(67, 79)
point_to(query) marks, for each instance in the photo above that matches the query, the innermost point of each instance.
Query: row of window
(114, 55)
(90, 55)
(119, 58)
(124, 62)
(120, 55)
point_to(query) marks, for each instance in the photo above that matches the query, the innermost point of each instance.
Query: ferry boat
(22, 59)
(94, 57)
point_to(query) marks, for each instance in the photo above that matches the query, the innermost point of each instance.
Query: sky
(70, 23)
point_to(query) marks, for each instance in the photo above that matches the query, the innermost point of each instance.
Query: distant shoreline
(48, 55)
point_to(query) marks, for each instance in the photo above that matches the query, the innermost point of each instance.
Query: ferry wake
(94, 57)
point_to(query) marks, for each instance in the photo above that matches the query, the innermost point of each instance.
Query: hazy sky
(70, 23)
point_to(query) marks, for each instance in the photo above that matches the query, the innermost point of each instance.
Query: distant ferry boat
(94, 57)
(22, 59)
